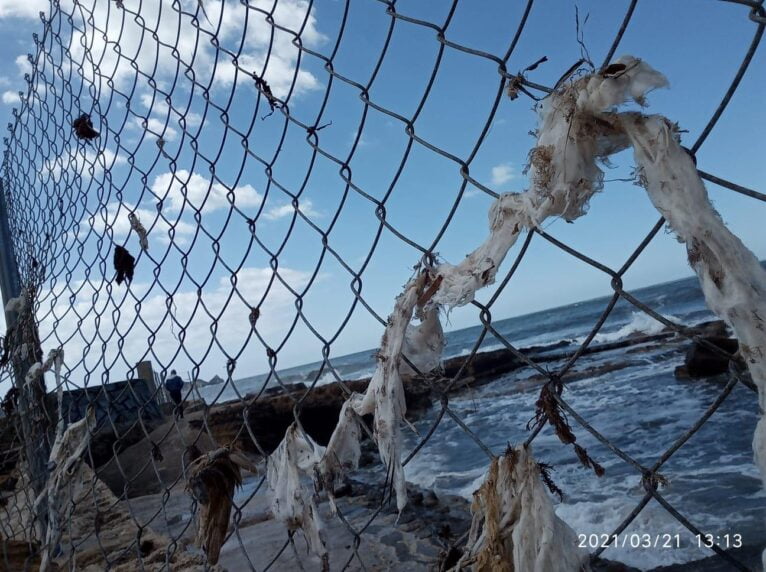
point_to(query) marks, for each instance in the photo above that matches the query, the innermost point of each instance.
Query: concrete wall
(116, 403)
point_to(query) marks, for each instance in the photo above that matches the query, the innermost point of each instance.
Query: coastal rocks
(115, 438)
(21, 555)
(153, 464)
(258, 423)
(438, 521)
(704, 361)
(267, 418)
(120, 538)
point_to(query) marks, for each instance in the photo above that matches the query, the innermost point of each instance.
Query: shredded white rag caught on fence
(578, 127)
(514, 524)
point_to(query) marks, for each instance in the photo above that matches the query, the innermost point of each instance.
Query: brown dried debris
(124, 264)
(541, 158)
(83, 128)
(211, 480)
(255, 313)
(514, 525)
(547, 409)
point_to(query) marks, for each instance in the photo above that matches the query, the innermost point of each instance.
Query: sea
(641, 407)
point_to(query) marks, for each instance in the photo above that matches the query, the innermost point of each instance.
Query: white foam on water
(639, 324)
(328, 377)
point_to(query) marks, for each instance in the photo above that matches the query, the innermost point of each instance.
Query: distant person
(174, 384)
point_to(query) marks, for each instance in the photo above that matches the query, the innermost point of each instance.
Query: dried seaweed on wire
(547, 409)
(212, 479)
(83, 128)
(514, 525)
(124, 264)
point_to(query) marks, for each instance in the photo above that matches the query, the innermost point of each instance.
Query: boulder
(155, 463)
(702, 361)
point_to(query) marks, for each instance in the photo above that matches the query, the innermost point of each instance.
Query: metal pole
(31, 411)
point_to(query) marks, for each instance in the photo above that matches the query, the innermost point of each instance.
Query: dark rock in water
(343, 490)
(257, 425)
(285, 388)
(430, 499)
(702, 361)
(681, 372)
(546, 347)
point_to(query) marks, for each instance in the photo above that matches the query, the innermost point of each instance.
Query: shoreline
(428, 530)
(265, 416)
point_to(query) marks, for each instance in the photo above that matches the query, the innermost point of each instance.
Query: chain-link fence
(201, 197)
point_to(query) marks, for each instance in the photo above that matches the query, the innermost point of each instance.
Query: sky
(207, 266)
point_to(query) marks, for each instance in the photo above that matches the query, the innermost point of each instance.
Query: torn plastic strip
(343, 450)
(564, 176)
(384, 396)
(732, 279)
(385, 393)
(64, 462)
(54, 361)
(562, 170)
(514, 525)
(136, 225)
(291, 502)
(424, 343)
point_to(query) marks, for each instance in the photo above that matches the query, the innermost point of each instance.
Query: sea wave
(639, 324)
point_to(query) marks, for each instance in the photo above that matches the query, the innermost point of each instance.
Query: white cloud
(150, 102)
(81, 160)
(83, 311)
(23, 63)
(502, 173)
(159, 109)
(198, 192)
(23, 8)
(282, 211)
(115, 217)
(157, 128)
(155, 58)
(193, 119)
(11, 97)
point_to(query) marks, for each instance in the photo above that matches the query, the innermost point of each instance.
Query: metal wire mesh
(193, 114)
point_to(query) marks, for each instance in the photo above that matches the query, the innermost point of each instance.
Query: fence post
(31, 410)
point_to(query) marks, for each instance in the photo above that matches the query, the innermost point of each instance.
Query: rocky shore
(258, 423)
(143, 467)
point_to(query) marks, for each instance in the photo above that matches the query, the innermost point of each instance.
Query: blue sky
(698, 45)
